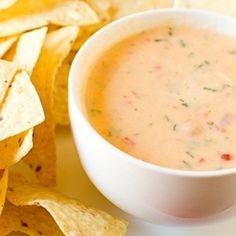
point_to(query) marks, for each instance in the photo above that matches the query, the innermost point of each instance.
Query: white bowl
(142, 189)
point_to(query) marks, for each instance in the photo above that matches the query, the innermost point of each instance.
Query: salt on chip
(7, 74)
(3, 187)
(124, 8)
(6, 3)
(72, 217)
(222, 6)
(63, 13)
(13, 149)
(21, 109)
(42, 158)
(5, 44)
(28, 49)
(60, 106)
(30, 220)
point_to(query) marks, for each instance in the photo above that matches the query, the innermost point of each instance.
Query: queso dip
(167, 96)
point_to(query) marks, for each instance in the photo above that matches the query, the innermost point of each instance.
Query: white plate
(72, 180)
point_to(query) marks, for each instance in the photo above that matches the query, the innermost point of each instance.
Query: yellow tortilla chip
(60, 106)
(5, 44)
(28, 49)
(3, 187)
(225, 7)
(127, 7)
(6, 4)
(7, 74)
(42, 158)
(30, 220)
(102, 8)
(72, 217)
(13, 149)
(21, 108)
(41, 13)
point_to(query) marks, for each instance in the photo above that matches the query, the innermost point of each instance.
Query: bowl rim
(73, 103)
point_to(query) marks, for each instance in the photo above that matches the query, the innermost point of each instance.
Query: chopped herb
(190, 154)
(204, 63)
(109, 134)
(159, 40)
(233, 52)
(210, 123)
(183, 103)
(186, 163)
(226, 86)
(210, 89)
(182, 43)
(174, 127)
(95, 111)
(167, 118)
(170, 31)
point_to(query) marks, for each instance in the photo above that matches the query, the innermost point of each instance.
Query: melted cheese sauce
(167, 96)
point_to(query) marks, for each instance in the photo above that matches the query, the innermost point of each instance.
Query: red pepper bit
(226, 157)
(201, 160)
(128, 141)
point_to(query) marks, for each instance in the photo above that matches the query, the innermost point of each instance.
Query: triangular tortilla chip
(7, 74)
(72, 217)
(28, 49)
(5, 44)
(31, 220)
(13, 149)
(226, 7)
(21, 109)
(19, 18)
(42, 158)
(3, 188)
(6, 4)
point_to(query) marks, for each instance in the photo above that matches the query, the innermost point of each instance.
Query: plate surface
(73, 181)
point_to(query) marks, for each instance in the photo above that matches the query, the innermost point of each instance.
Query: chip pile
(38, 41)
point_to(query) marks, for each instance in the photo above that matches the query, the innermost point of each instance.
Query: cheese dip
(167, 96)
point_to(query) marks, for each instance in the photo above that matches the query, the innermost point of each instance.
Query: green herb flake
(183, 103)
(167, 118)
(187, 164)
(232, 52)
(109, 133)
(182, 43)
(210, 89)
(174, 127)
(95, 111)
(159, 40)
(210, 123)
(190, 154)
(204, 63)
(170, 31)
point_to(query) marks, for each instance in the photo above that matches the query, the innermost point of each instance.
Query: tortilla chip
(6, 3)
(3, 188)
(5, 44)
(31, 220)
(225, 7)
(102, 8)
(28, 49)
(72, 217)
(7, 74)
(60, 106)
(13, 149)
(124, 8)
(42, 158)
(21, 109)
(41, 13)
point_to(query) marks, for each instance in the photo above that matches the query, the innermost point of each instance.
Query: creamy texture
(168, 96)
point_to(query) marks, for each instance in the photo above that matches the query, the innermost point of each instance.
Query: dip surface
(167, 96)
